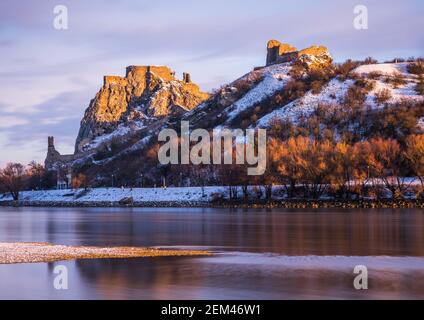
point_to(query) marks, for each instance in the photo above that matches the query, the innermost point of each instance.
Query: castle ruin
(314, 56)
(62, 164)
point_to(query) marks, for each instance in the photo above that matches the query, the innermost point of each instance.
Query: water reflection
(243, 240)
(360, 232)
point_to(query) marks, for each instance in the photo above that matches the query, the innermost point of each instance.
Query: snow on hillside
(334, 91)
(275, 78)
(121, 131)
(383, 68)
(421, 123)
(136, 146)
(331, 94)
(406, 91)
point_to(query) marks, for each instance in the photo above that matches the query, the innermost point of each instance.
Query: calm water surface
(260, 254)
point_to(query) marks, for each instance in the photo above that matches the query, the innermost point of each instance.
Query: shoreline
(186, 197)
(289, 204)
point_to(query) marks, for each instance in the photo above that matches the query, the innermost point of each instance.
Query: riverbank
(11, 253)
(289, 204)
(183, 197)
(327, 204)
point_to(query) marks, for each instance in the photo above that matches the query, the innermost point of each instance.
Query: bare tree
(35, 174)
(414, 154)
(12, 179)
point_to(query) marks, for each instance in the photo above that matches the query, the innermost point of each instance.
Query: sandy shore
(46, 252)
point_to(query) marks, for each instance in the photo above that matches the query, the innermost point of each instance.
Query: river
(259, 253)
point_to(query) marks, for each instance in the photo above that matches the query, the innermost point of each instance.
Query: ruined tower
(52, 154)
(312, 57)
(186, 77)
(50, 142)
(54, 157)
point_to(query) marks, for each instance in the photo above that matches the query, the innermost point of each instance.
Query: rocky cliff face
(146, 93)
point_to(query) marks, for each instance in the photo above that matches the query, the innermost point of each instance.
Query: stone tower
(186, 77)
(52, 155)
(50, 142)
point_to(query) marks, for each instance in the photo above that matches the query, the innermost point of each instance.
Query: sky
(49, 76)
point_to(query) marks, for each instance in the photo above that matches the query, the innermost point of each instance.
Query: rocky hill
(300, 89)
(144, 95)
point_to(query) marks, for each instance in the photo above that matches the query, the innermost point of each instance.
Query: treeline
(311, 168)
(15, 177)
(308, 168)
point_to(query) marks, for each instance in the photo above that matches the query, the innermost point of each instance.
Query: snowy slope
(406, 91)
(331, 94)
(334, 91)
(383, 68)
(275, 78)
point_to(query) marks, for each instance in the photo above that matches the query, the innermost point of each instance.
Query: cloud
(58, 116)
(11, 121)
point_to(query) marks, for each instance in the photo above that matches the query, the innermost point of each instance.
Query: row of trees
(344, 169)
(309, 168)
(15, 177)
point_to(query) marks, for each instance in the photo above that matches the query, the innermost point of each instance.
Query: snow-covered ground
(274, 78)
(136, 146)
(331, 94)
(383, 68)
(406, 91)
(159, 194)
(120, 131)
(421, 123)
(334, 91)
(187, 194)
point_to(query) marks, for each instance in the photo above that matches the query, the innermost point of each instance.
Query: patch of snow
(404, 92)
(383, 68)
(140, 144)
(332, 93)
(121, 130)
(136, 146)
(421, 123)
(183, 194)
(275, 78)
(171, 194)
